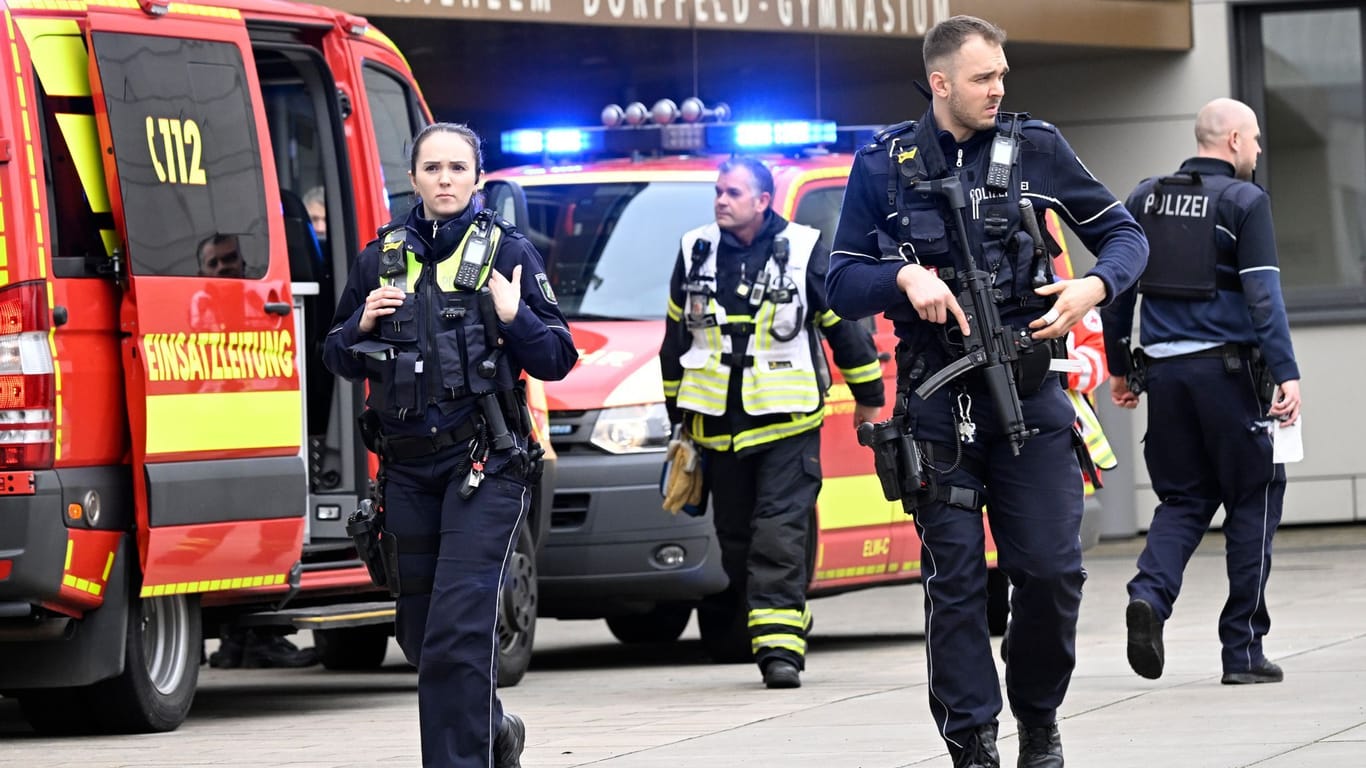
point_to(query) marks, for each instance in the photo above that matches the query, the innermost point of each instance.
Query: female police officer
(441, 314)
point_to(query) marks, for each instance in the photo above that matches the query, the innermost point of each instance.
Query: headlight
(632, 429)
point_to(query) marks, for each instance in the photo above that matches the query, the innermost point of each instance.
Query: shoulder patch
(546, 290)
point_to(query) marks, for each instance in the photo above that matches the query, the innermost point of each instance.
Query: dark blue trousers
(1034, 503)
(1208, 445)
(450, 635)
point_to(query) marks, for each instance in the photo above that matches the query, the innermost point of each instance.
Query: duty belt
(404, 448)
(1230, 350)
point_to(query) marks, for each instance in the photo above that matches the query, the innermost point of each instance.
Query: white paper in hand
(1286, 444)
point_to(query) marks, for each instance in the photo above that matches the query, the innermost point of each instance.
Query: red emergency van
(173, 456)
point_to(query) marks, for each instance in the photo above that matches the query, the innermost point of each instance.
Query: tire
(517, 613)
(664, 624)
(161, 668)
(352, 649)
(998, 602)
(725, 631)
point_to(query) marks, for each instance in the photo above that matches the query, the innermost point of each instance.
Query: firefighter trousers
(1208, 445)
(1034, 507)
(450, 634)
(763, 502)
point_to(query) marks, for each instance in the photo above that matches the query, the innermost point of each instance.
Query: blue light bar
(553, 141)
(785, 133)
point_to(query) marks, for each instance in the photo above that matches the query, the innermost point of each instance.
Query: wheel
(517, 613)
(160, 671)
(353, 648)
(724, 624)
(998, 601)
(664, 624)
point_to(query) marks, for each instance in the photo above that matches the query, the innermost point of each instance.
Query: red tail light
(28, 398)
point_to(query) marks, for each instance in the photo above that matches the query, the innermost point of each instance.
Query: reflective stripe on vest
(782, 378)
(1096, 443)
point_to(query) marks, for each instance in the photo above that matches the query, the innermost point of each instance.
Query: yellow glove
(683, 484)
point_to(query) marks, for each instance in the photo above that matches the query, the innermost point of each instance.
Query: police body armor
(441, 346)
(1178, 215)
(920, 233)
(772, 345)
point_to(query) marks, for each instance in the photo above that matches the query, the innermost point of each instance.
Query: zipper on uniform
(960, 157)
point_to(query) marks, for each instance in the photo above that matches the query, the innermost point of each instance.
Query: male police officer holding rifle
(929, 204)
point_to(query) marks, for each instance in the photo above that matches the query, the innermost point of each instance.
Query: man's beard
(963, 116)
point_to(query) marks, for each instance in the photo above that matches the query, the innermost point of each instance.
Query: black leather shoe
(507, 747)
(1264, 672)
(980, 750)
(1040, 747)
(1145, 639)
(782, 674)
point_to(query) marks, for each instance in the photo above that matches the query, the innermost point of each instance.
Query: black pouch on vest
(404, 386)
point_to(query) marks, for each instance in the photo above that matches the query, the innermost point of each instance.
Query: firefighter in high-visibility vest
(745, 375)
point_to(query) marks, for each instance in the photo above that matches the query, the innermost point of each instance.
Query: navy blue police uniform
(762, 470)
(1214, 332)
(1034, 498)
(454, 485)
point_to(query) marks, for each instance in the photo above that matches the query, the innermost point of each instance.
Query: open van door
(210, 346)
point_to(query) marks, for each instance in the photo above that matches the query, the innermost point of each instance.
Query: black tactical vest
(1178, 214)
(441, 346)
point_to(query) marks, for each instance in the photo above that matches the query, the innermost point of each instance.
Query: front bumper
(607, 528)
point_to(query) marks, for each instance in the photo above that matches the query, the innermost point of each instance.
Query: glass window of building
(1302, 72)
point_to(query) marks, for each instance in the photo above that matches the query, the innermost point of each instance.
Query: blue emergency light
(636, 130)
(550, 141)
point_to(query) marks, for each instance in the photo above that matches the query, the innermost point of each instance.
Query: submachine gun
(990, 346)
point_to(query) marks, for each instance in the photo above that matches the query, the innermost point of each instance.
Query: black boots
(782, 674)
(508, 745)
(259, 648)
(1146, 655)
(1040, 747)
(1264, 672)
(979, 751)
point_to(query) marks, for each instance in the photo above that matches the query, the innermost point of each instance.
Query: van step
(324, 616)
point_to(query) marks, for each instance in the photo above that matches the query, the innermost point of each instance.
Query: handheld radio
(474, 254)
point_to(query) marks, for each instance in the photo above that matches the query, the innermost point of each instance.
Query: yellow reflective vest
(779, 375)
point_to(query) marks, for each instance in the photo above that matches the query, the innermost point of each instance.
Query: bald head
(1220, 116)
(1227, 129)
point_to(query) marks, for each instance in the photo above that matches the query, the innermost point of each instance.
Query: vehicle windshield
(610, 248)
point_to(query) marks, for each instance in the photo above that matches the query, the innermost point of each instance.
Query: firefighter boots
(1040, 747)
(979, 751)
(259, 649)
(1146, 654)
(507, 747)
(782, 674)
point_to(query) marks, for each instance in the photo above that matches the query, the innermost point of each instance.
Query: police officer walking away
(1215, 338)
(898, 250)
(441, 314)
(743, 371)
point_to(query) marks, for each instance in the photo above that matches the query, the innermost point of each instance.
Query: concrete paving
(590, 701)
